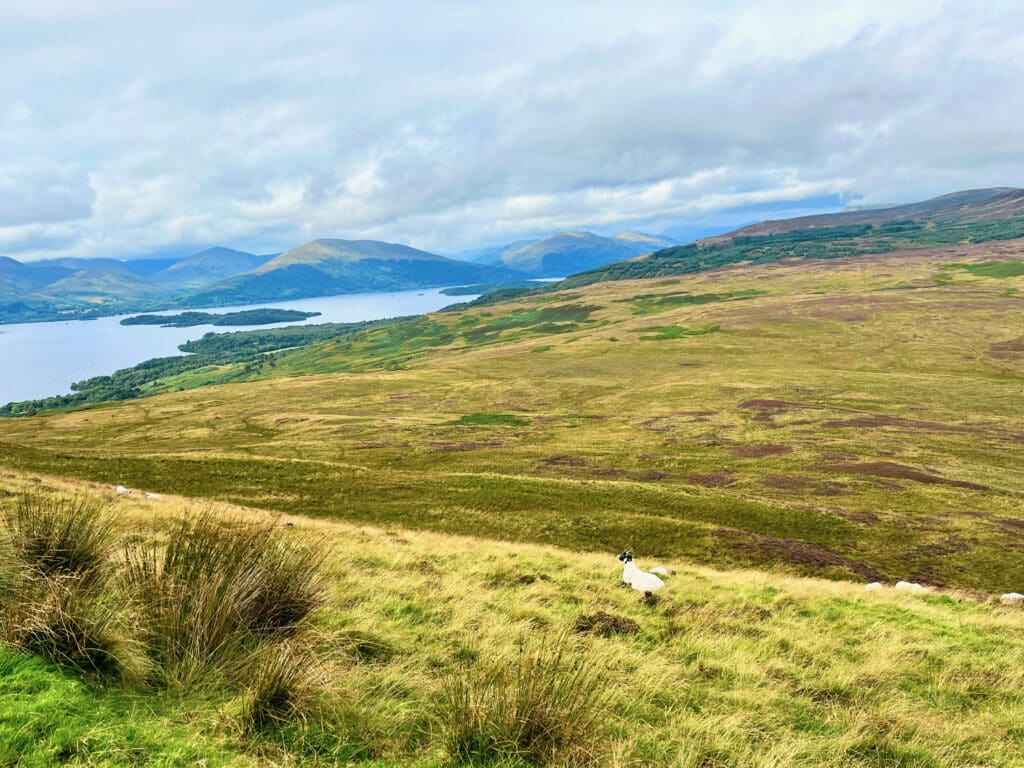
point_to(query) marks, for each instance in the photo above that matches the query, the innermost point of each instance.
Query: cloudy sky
(132, 127)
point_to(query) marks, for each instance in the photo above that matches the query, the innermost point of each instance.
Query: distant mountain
(969, 206)
(491, 256)
(329, 267)
(141, 267)
(208, 267)
(566, 253)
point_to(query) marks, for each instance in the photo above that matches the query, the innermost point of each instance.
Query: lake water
(44, 359)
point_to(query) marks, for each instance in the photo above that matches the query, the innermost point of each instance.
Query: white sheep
(1011, 597)
(907, 586)
(153, 496)
(875, 586)
(122, 489)
(639, 580)
(661, 570)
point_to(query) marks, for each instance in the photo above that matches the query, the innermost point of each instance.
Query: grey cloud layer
(138, 126)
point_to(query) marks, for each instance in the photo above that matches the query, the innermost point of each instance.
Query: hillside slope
(728, 668)
(327, 267)
(855, 417)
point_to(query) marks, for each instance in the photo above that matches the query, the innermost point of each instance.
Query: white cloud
(140, 126)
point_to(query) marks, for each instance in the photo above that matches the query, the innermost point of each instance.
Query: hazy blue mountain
(141, 267)
(208, 267)
(491, 256)
(566, 253)
(17, 278)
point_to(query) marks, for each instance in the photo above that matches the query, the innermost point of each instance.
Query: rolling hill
(328, 267)
(566, 253)
(102, 285)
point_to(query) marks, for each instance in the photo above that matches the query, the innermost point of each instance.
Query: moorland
(780, 418)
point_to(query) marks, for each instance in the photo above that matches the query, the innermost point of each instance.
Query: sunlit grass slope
(859, 418)
(728, 668)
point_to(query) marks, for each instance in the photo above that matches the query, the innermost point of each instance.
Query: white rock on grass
(122, 489)
(1011, 597)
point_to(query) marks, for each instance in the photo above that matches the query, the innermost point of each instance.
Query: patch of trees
(245, 317)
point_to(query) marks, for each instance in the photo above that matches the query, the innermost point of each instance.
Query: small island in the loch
(244, 317)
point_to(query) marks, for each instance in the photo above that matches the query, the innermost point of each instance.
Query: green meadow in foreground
(856, 418)
(436, 650)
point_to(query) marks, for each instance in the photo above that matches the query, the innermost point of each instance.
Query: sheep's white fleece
(639, 580)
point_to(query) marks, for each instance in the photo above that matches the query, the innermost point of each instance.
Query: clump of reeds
(67, 625)
(547, 705)
(216, 591)
(283, 682)
(60, 537)
(56, 561)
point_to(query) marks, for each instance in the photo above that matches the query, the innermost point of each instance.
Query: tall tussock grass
(60, 537)
(283, 683)
(56, 555)
(67, 625)
(547, 706)
(218, 590)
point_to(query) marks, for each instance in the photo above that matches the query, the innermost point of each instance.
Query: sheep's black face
(626, 557)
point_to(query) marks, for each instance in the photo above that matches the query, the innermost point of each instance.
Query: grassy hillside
(855, 418)
(726, 668)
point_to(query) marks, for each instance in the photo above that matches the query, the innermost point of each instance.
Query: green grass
(668, 332)
(997, 269)
(653, 303)
(493, 419)
(48, 717)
